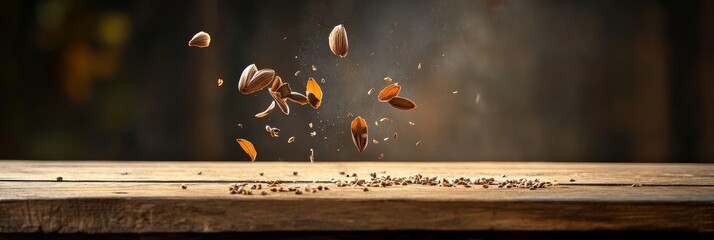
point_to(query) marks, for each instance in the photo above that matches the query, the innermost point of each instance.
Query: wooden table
(140, 197)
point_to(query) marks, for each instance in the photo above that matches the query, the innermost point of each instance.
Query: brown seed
(389, 92)
(359, 133)
(184, 186)
(365, 189)
(298, 98)
(572, 180)
(291, 139)
(338, 41)
(395, 135)
(309, 125)
(201, 40)
(260, 80)
(247, 146)
(263, 193)
(280, 102)
(295, 173)
(261, 174)
(276, 83)
(314, 93)
(266, 112)
(246, 76)
(59, 179)
(298, 192)
(402, 103)
(199, 173)
(485, 186)
(220, 82)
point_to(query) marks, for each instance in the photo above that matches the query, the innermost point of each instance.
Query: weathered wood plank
(149, 198)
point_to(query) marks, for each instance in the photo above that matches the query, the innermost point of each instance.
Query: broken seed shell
(314, 93)
(284, 90)
(402, 103)
(246, 76)
(201, 40)
(267, 111)
(248, 147)
(298, 98)
(338, 41)
(280, 102)
(291, 139)
(389, 92)
(359, 133)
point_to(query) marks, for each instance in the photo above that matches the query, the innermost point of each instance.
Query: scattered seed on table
(263, 192)
(184, 186)
(295, 173)
(298, 192)
(365, 189)
(199, 173)
(485, 186)
(572, 180)
(261, 174)
(59, 179)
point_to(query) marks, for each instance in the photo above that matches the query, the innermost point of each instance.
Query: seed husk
(295, 173)
(298, 98)
(267, 111)
(280, 102)
(291, 139)
(200, 40)
(359, 133)
(246, 76)
(284, 90)
(240, 125)
(384, 120)
(388, 79)
(314, 93)
(375, 141)
(59, 179)
(389, 92)
(297, 73)
(276, 84)
(247, 146)
(455, 92)
(411, 123)
(220, 82)
(260, 80)
(371, 90)
(338, 41)
(402, 103)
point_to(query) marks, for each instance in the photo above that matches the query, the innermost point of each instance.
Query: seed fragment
(395, 135)
(402, 103)
(338, 41)
(297, 73)
(376, 123)
(455, 92)
(389, 92)
(384, 120)
(314, 68)
(183, 186)
(371, 90)
(365, 189)
(240, 125)
(572, 180)
(295, 173)
(418, 142)
(263, 193)
(359, 133)
(314, 93)
(411, 123)
(385, 139)
(200, 40)
(419, 66)
(220, 82)
(298, 98)
(381, 156)
(280, 102)
(309, 125)
(291, 139)
(388, 79)
(59, 179)
(375, 141)
(312, 155)
(247, 146)
(478, 97)
(261, 174)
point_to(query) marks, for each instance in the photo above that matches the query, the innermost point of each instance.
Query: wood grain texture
(139, 197)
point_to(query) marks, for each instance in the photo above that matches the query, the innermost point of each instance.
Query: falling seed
(411, 123)
(314, 93)
(246, 76)
(338, 41)
(240, 125)
(199, 173)
(312, 155)
(314, 68)
(313, 133)
(478, 97)
(267, 111)
(309, 125)
(385, 139)
(359, 133)
(298, 98)
(261, 174)
(280, 102)
(297, 73)
(252, 81)
(376, 123)
(418, 142)
(455, 92)
(277, 82)
(350, 114)
(291, 139)
(201, 40)
(388, 79)
(419, 66)
(375, 141)
(322, 80)
(402, 103)
(247, 146)
(283, 90)
(220, 82)
(381, 156)
(384, 120)
(389, 92)
(371, 90)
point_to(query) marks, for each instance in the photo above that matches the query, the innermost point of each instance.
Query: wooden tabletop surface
(139, 197)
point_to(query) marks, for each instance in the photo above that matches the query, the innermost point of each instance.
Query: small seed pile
(386, 181)
(273, 186)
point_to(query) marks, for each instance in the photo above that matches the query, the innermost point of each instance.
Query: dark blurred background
(546, 80)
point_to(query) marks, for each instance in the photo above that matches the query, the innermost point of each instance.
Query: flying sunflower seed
(260, 80)
(201, 40)
(284, 90)
(338, 41)
(402, 103)
(247, 146)
(359, 133)
(389, 92)
(314, 93)
(246, 76)
(267, 111)
(298, 98)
